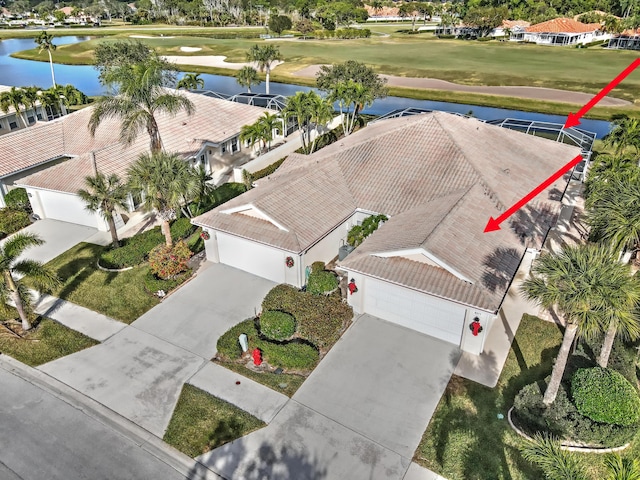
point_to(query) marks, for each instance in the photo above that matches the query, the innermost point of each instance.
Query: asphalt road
(43, 437)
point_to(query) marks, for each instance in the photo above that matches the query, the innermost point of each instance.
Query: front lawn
(46, 341)
(466, 440)
(202, 422)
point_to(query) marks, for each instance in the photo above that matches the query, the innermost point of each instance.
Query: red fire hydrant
(352, 287)
(257, 356)
(475, 327)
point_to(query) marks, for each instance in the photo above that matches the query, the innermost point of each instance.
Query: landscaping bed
(202, 422)
(465, 438)
(46, 341)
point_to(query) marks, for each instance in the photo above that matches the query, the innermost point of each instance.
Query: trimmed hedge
(317, 267)
(152, 283)
(277, 325)
(320, 319)
(321, 282)
(605, 396)
(562, 419)
(182, 228)
(268, 170)
(18, 199)
(12, 220)
(291, 355)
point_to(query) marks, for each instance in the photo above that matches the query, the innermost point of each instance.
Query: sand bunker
(148, 36)
(210, 61)
(190, 49)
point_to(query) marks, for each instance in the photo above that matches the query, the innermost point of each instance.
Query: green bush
(322, 282)
(317, 267)
(12, 220)
(152, 283)
(605, 396)
(320, 319)
(277, 325)
(134, 250)
(17, 199)
(563, 420)
(358, 233)
(268, 170)
(182, 228)
(167, 261)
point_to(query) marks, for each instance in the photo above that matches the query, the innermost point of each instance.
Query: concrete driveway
(58, 236)
(360, 414)
(195, 316)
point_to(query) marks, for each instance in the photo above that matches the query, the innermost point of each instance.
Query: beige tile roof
(438, 176)
(214, 121)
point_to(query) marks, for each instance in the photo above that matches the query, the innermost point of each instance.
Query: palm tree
(264, 57)
(269, 122)
(141, 93)
(248, 76)
(45, 42)
(352, 97)
(308, 109)
(190, 81)
(625, 133)
(556, 463)
(592, 291)
(251, 133)
(31, 271)
(166, 181)
(203, 191)
(13, 98)
(104, 194)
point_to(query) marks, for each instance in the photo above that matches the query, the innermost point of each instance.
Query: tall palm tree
(45, 43)
(104, 194)
(252, 133)
(352, 97)
(190, 81)
(140, 94)
(166, 181)
(269, 123)
(555, 463)
(264, 57)
(15, 272)
(592, 291)
(248, 76)
(30, 98)
(14, 98)
(308, 109)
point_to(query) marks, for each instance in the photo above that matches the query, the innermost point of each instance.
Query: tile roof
(437, 176)
(214, 121)
(515, 23)
(563, 25)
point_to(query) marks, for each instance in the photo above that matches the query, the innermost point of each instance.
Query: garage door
(67, 208)
(424, 313)
(251, 257)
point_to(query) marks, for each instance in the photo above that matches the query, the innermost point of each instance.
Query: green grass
(466, 441)
(46, 341)
(285, 383)
(202, 422)
(119, 295)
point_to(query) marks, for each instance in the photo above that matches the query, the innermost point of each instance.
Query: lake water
(17, 72)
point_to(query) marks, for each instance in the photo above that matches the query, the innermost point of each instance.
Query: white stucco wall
(472, 344)
(327, 248)
(66, 207)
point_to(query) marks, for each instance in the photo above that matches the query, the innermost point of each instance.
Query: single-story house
(629, 39)
(52, 159)
(560, 32)
(438, 177)
(9, 120)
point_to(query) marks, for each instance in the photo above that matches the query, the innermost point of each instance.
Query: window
(39, 116)
(234, 145)
(31, 120)
(203, 160)
(224, 147)
(13, 125)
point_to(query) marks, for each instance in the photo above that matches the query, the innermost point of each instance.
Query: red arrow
(574, 118)
(494, 223)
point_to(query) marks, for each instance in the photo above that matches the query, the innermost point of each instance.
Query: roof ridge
(463, 193)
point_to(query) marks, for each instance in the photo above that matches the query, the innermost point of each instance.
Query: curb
(181, 463)
(105, 269)
(567, 446)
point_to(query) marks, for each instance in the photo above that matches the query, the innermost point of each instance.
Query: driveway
(139, 371)
(58, 236)
(360, 414)
(195, 316)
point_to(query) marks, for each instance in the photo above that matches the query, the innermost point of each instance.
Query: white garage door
(424, 313)
(260, 260)
(67, 208)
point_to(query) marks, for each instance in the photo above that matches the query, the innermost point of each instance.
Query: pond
(17, 72)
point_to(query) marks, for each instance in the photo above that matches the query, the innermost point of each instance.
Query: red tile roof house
(562, 31)
(438, 178)
(52, 159)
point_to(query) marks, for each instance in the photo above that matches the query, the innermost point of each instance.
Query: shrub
(358, 233)
(133, 251)
(277, 325)
(563, 420)
(268, 170)
(321, 282)
(152, 283)
(12, 220)
(605, 396)
(17, 199)
(167, 261)
(317, 267)
(319, 319)
(182, 228)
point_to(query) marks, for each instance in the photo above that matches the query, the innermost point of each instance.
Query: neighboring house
(438, 177)
(10, 122)
(509, 27)
(560, 32)
(627, 40)
(52, 159)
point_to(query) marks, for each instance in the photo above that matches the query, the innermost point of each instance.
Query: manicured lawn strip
(119, 295)
(202, 422)
(45, 342)
(268, 379)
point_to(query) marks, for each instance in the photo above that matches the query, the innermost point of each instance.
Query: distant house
(627, 40)
(12, 120)
(52, 159)
(509, 27)
(561, 32)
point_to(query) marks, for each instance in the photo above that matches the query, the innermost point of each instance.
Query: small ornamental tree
(605, 396)
(277, 325)
(167, 261)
